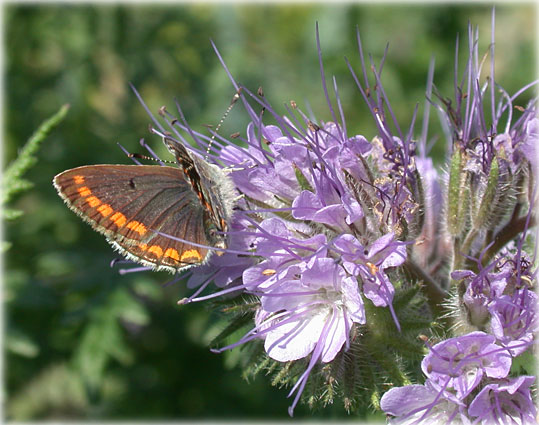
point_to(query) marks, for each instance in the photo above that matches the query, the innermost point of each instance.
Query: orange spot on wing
(156, 250)
(105, 210)
(119, 219)
(84, 191)
(172, 253)
(78, 179)
(143, 246)
(137, 227)
(191, 256)
(93, 201)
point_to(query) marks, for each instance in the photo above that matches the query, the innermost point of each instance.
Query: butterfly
(130, 204)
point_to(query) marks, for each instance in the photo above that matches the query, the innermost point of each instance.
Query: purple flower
(514, 320)
(500, 302)
(460, 363)
(457, 369)
(423, 404)
(369, 264)
(309, 206)
(481, 289)
(507, 401)
(308, 299)
(530, 144)
(323, 219)
(307, 308)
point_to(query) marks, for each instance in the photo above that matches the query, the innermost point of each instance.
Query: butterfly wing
(129, 203)
(212, 186)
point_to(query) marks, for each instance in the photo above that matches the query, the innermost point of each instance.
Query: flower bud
(485, 209)
(457, 195)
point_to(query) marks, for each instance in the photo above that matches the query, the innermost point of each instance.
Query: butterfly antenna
(149, 158)
(232, 103)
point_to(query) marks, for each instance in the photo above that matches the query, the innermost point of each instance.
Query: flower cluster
(320, 253)
(468, 376)
(467, 382)
(493, 310)
(501, 302)
(343, 249)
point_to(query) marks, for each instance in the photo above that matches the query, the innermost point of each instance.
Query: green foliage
(12, 181)
(55, 389)
(102, 338)
(457, 194)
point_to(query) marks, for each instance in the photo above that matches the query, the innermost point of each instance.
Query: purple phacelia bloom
(481, 289)
(313, 304)
(458, 364)
(530, 145)
(369, 263)
(513, 320)
(499, 301)
(507, 401)
(466, 382)
(423, 404)
(431, 245)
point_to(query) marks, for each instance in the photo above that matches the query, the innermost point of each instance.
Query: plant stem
(506, 234)
(435, 295)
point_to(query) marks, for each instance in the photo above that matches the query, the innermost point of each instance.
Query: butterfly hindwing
(129, 203)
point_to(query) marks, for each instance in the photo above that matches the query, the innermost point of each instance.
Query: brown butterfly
(129, 204)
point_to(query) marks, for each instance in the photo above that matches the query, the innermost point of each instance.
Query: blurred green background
(82, 341)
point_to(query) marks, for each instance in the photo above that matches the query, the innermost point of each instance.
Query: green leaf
(234, 325)
(92, 355)
(10, 214)
(54, 389)
(405, 296)
(390, 364)
(128, 308)
(21, 185)
(102, 339)
(146, 288)
(375, 399)
(261, 362)
(20, 343)
(12, 183)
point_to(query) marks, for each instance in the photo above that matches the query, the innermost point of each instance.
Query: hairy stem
(505, 235)
(435, 295)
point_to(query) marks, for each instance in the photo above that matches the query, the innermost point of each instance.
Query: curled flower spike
(491, 182)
